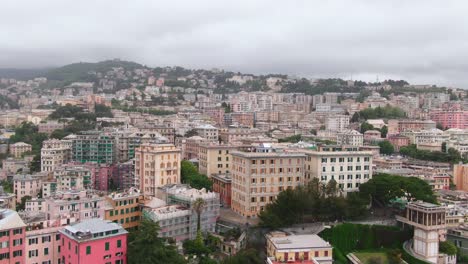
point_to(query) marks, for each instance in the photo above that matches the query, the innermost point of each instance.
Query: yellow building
(156, 165)
(460, 176)
(307, 249)
(258, 177)
(214, 158)
(125, 208)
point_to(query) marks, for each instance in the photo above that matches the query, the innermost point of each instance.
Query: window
(107, 246)
(326, 253)
(88, 250)
(119, 243)
(324, 169)
(46, 251)
(111, 213)
(17, 231)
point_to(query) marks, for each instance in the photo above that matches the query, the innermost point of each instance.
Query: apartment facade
(93, 241)
(157, 165)
(258, 177)
(214, 158)
(348, 166)
(208, 132)
(54, 153)
(125, 209)
(19, 148)
(26, 185)
(12, 237)
(94, 146)
(350, 138)
(337, 123)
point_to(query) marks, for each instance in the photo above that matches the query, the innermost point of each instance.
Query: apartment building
(450, 116)
(283, 247)
(222, 186)
(42, 243)
(124, 208)
(7, 200)
(258, 177)
(190, 147)
(49, 127)
(395, 126)
(26, 185)
(12, 237)
(233, 135)
(157, 165)
(94, 146)
(214, 158)
(208, 132)
(93, 241)
(54, 153)
(19, 148)
(350, 138)
(184, 197)
(337, 122)
(348, 166)
(174, 220)
(68, 207)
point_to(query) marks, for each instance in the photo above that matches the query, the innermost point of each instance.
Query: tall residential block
(214, 158)
(93, 241)
(54, 153)
(94, 146)
(258, 177)
(157, 165)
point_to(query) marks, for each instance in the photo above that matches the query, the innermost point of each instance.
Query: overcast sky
(423, 41)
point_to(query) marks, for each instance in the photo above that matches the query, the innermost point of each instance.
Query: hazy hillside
(22, 74)
(80, 71)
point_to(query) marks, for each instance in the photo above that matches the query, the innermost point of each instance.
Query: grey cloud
(423, 41)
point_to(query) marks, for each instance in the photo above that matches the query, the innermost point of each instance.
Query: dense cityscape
(116, 162)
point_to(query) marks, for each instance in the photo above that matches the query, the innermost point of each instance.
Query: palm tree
(198, 206)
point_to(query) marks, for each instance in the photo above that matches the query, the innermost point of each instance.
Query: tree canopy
(452, 155)
(145, 246)
(311, 203)
(385, 187)
(191, 176)
(386, 147)
(378, 112)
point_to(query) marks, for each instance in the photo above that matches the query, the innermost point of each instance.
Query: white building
(349, 138)
(337, 122)
(348, 166)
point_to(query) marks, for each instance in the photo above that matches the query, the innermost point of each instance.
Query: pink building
(450, 116)
(93, 241)
(12, 237)
(399, 141)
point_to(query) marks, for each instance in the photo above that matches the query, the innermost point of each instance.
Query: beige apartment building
(156, 165)
(19, 148)
(348, 166)
(54, 153)
(214, 158)
(258, 177)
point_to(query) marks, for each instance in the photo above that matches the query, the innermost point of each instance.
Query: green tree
(191, 176)
(146, 247)
(191, 133)
(448, 248)
(22, 204)
(366, 126)
(198, 205)
(248, 256)
(385, 187)
(384, 131)
(386, 147)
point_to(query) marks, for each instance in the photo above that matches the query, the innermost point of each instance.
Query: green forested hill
(79, 72)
